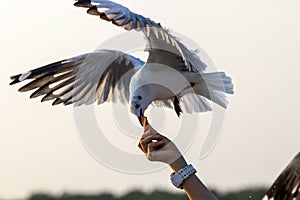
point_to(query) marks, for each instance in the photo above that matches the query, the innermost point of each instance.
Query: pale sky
(256, 42)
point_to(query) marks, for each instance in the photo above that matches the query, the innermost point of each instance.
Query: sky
(255, 42)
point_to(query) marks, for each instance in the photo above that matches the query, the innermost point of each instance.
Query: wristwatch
(178, 178)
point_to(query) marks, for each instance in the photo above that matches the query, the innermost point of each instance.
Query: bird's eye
(139, 97)
(136, 105)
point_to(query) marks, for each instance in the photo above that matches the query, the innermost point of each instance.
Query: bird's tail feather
(218, 81)
(213, 86)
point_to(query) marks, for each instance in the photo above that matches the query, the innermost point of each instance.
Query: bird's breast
(166, 82)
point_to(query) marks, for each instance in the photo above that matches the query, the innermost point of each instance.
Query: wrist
(178, 164)
(178, 178)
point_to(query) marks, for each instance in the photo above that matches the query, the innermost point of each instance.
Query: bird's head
(138, 105)
(140, 98)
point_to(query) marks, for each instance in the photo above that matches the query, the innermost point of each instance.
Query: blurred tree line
(254, 193)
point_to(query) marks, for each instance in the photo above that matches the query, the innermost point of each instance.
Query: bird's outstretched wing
(163, 47)
(287, 185)
(100, 76)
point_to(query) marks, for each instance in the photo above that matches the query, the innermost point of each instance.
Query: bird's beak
(143, 120)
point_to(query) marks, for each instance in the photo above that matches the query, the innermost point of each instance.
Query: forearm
(165, 151)
(193, 186)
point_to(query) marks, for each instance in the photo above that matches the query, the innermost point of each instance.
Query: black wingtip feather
(15, 79)
(48, 97)
(93, 11)
(177, 107)
(15, 76)
(83, 3)
(287, 184)
(68, 103)
(39, 82)
(41, 91)
(57, 101)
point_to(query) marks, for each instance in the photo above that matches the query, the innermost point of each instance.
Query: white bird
(287, 185)
(172, 75)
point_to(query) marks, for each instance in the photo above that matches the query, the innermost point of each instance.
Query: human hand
(158, 147)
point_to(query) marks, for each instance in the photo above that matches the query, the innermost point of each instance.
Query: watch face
(177, 180)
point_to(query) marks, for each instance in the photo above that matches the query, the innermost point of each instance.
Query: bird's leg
(177, 107)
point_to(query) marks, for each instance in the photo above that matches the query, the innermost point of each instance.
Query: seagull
(287, 185)
(173, 75)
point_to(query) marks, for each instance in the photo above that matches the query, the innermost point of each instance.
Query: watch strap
(179, 177)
